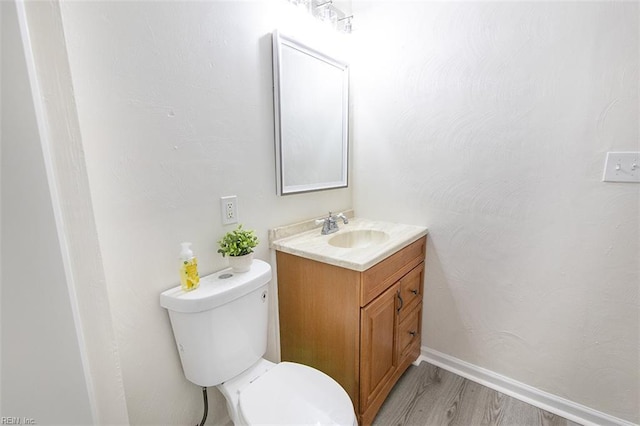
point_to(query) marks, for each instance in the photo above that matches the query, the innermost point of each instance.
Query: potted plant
(238, 245)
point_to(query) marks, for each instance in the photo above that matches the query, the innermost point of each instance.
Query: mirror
(311, 104)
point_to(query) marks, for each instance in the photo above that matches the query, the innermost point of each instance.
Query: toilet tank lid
(217, 289)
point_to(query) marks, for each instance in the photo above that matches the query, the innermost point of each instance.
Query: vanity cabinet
(361, 328)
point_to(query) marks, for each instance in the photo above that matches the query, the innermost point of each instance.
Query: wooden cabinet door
(379, 357)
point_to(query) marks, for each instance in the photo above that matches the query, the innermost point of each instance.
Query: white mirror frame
(301, 165)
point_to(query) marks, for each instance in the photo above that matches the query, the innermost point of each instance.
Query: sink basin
(358, 246)
(359, 238)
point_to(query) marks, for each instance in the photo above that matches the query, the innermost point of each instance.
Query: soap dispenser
(189, 279)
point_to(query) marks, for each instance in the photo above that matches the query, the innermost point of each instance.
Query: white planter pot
(241, 263)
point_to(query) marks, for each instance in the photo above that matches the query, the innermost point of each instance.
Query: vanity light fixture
(325, 10)
(327, 13)
(318, 6)
(346, 26)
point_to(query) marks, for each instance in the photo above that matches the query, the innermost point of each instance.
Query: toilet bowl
(220, 331)
(286, 393)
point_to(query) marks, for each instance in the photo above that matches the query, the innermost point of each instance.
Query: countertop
(311, 244)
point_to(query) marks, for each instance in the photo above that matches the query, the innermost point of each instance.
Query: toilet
(220, 331)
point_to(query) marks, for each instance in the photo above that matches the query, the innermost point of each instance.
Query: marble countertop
(312, 245)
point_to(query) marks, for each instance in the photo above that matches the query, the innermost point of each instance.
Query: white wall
(489, 122)
(42, 373)
(175, 110)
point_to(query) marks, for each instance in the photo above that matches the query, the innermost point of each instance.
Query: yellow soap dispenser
(189, 279)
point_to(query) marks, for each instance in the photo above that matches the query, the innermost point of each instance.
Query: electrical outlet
(229, 209)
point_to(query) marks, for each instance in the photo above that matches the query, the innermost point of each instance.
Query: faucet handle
(343, 217)
(321, 221)
(324, 222)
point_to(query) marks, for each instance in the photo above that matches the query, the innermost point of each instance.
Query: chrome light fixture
(326, 11)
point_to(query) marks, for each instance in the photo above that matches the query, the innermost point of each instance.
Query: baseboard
(552, 403)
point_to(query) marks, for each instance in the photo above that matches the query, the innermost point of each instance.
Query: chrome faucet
(330, 223)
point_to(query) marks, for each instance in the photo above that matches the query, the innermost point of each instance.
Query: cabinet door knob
(414, 291)
(413, 333)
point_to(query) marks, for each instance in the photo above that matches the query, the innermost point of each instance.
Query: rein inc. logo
(6, 420)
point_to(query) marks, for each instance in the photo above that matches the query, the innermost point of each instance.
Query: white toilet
(221, 334)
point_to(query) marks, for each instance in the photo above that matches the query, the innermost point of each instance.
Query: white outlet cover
(229, 209)
(622, 167)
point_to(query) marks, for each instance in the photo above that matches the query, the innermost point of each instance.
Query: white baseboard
(541, 399)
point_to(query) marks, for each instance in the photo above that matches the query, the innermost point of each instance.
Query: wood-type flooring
(427, 395)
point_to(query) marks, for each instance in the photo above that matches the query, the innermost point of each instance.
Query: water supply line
(206, 406)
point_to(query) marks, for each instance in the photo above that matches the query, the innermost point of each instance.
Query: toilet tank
(220, 328)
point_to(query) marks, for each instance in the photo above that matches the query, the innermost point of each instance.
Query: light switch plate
(622, 167)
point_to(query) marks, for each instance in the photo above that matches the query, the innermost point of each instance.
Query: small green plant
(237, 242)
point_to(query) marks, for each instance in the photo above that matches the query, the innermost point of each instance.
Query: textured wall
(175, 108)
(489, 122)
(40, 351)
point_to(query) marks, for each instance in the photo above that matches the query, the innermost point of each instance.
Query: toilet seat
(292, 393)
